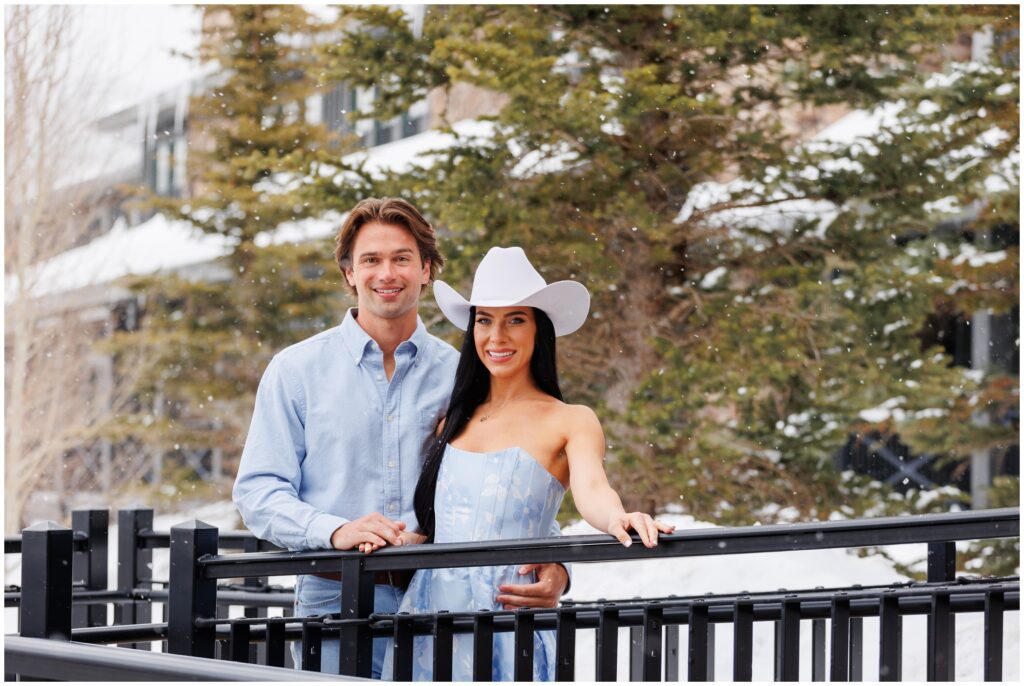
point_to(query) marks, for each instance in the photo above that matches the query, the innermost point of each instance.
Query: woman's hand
(407, 538)
(642, 523)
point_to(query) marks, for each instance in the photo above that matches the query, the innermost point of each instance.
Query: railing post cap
(192, 525)
(48, 525)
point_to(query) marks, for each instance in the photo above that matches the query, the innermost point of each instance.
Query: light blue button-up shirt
(332, 439)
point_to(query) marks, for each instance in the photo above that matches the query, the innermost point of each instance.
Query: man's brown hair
(394, 212)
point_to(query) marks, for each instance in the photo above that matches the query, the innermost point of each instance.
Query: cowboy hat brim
(566, 303)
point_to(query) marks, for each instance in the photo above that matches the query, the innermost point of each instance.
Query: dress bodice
(501, 494)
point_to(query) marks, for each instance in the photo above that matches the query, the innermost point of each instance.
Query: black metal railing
(656, 626)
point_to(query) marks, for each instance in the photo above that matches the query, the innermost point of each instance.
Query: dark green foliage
(726, 394)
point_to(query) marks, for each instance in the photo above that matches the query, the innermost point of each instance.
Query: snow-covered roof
(161, 244)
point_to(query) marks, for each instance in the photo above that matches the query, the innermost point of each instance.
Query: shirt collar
(358, 341)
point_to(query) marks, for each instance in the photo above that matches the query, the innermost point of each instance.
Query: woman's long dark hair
(472, 385)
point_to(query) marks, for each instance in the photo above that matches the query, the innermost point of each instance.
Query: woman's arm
(595, 499)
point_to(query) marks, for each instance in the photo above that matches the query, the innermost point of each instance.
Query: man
(341, 421)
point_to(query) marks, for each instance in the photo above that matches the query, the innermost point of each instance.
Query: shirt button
(392, 507)
(391, 417)
(379, 377)
(391, 463)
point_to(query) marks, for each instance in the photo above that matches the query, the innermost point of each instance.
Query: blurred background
(799, 225)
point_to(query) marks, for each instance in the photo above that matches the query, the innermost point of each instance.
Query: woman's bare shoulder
(577, 417)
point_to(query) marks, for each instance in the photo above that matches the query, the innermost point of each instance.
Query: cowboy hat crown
(506, 278)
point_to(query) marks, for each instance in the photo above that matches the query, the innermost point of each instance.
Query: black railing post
(652, 642)
(743, 640)
(671, 652)
(840, 663)
(817, 650)
(134, 569)
(565, 645)
(524, 639)
(443, 645)
(994, 606)
(190, 596)
(356, 640)
(89, 567)
(942, 568)
(697, 650)
(46, 552)
(857, 649)
(940, 626)
(483, 647)
(788, 636)
(890, 647)
(607, 643)
(402, 654)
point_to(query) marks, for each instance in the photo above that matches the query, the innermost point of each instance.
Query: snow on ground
(720, 575)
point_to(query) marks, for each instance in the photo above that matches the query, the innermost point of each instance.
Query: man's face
(387, 271)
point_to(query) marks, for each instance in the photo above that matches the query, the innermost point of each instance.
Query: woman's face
(504, 338)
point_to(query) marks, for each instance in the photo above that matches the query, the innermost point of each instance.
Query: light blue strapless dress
(483, 497)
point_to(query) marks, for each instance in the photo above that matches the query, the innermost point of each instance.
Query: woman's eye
(483, 320)
(517, 320)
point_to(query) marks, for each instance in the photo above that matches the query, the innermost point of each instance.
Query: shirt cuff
(318, 533)
(568, 572)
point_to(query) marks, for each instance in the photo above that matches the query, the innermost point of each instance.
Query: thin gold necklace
(490, 414)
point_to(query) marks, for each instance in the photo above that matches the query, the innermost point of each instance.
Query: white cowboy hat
(506, 278)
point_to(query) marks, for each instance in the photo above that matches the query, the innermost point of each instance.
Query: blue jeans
(315, 595)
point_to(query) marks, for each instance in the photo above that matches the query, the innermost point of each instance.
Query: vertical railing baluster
(840, 662)
(46, 589)
(697, 650)
(942, 568)
(257, 651)
(856, 649)
(190, 596)
(443, 644)
(524, 630)
(743, 639)
(238, 642)
(636, 653)
(711, 651)
(818, 650)
(402, 654)
(652, 642)
(289, 660)
(89, 567)
(939, 628)
(607, 643)
(565, 645)
(671, 652)
(275, 642)
(890, 637)
(789, 636)
(312, 645)
(483, 646)
(134, 570)
(356, 640)
(994, 606)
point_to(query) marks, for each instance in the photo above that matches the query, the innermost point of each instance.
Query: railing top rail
(73, 661)
(149, 538)
(998, 523)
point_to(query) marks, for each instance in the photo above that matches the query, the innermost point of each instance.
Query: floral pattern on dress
(492, 496)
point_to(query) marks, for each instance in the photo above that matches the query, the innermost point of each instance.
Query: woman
(507, 451)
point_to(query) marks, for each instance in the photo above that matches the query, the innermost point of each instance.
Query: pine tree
(207, 340)
(734, 342)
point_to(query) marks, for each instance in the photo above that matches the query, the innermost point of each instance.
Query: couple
(376, 433)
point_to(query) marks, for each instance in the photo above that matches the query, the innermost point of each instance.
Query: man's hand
(545, 592)
(369, 533)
